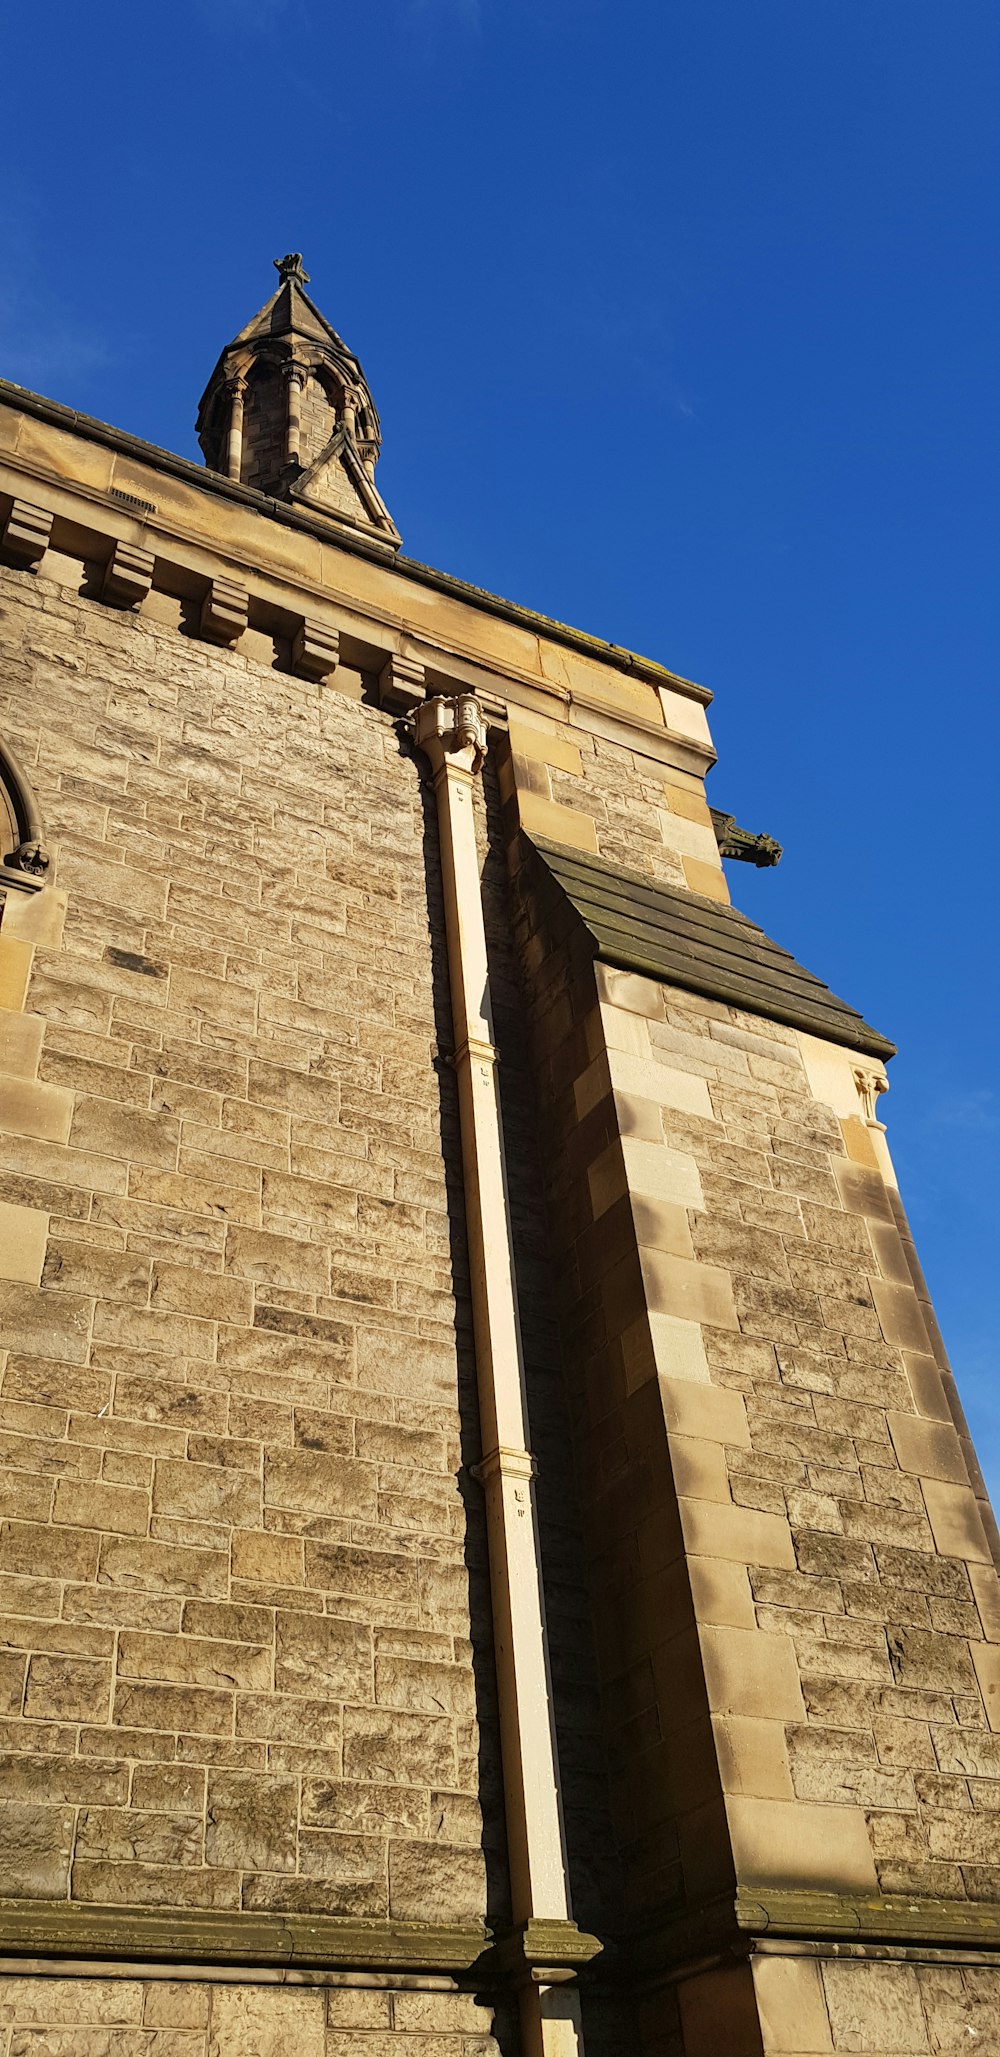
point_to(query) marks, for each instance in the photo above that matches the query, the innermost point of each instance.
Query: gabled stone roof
(680, 939)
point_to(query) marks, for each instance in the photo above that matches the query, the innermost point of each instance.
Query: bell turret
(288, 410)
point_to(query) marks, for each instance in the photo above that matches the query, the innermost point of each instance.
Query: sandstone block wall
(795, 1601)
(821, 2005)
(740, 1283)
(136, 2017)
(245, 1651)
(600, 791)
(234, 1556)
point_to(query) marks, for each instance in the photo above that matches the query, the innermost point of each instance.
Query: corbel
(27, 533)
(128, 576)
(402, 684)
(315, 650)
(225, 611)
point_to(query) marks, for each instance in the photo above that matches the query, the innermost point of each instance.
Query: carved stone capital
(870, 1084)
(315, 650)
(128, 576)
(402, 684)
(27, 532)
(225, 611)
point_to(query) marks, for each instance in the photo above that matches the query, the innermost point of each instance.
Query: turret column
(234, 438)
(294, 377)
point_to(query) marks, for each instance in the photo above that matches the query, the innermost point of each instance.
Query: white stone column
(234, 436)
(452, 733)
(295, 379)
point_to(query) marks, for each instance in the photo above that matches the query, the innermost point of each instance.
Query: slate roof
(681, 939)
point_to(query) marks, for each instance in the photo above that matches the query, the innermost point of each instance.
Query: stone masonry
(256, 1780)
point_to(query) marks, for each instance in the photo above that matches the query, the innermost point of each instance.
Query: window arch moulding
(25, 861)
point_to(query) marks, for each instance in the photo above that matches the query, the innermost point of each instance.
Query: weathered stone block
(251, 2021)
(429, 1882)
(154, 1566)
(875, 2006)
(380, 1744)
(312, 1481)
(251, 1822)
(323, 1655)
(36, 1844)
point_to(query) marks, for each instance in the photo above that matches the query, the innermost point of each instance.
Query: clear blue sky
(681, 316)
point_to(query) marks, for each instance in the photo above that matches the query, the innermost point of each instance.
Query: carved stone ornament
(455, 725)
(870, 1084)
(32, 857)
(742, 843)
(24, 855)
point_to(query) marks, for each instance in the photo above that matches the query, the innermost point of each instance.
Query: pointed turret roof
(290, 312)
(307, 426)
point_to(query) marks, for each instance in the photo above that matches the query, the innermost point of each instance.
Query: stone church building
(491, 1558)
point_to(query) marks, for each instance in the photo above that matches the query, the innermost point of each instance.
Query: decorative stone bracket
(27, 533)
(225, 612)
(315, 650)
(128, 577)
(402, 684)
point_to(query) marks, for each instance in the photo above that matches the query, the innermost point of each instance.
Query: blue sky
(681, 316)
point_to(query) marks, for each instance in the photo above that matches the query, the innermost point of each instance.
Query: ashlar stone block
(875, 2007)
(955, 1520)
(253, 2021)
(251, 1822)
(793, 2011)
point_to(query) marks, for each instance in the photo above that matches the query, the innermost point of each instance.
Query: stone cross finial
(290, 268)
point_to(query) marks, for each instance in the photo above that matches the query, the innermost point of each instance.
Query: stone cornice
(613, 655)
